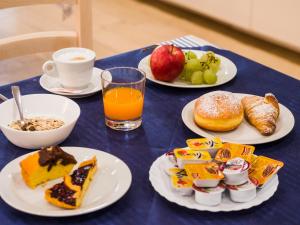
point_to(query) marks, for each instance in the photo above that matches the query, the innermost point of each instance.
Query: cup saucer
(53, 85)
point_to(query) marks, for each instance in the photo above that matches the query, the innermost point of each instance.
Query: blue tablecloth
(163, 129)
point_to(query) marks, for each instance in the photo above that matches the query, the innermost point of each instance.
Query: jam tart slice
(69, 193)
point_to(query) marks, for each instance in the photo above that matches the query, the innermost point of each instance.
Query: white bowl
(39, 105)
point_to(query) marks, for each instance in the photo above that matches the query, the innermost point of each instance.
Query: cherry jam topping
(63, 194)
(79, 175)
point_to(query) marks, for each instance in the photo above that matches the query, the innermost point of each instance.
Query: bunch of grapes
(200, 70)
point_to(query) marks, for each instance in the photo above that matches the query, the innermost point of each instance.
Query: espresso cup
(72, 66)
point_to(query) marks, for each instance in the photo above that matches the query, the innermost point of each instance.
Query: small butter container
(208, 144)
(204, 175)
(236, 171)
(180, 182)
(242, 193)
(208, 196)
(171, 156)
(187, 156)
(167, 163)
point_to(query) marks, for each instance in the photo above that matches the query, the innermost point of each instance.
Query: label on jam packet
(231, 150)
(187, 154)
(204, 143)
(204, 171)
(235, 165)
(180, 179)
(262, 169)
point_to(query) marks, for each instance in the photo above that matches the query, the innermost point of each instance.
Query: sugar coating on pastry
(262, 112)
(218, 111)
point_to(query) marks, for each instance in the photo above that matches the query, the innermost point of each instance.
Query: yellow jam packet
(187, 154)
(262, 169)
(204, 171)
(231, 150)
(180, 179)
(204, 143)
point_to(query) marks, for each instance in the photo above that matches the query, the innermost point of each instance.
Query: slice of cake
(46, 164)
(69, 193)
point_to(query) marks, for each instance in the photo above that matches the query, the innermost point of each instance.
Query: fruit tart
(69, 193)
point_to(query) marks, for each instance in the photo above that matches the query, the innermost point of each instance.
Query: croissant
(262, 112)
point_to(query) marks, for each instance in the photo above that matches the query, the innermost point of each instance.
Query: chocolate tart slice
(46, 164)
(69, 193)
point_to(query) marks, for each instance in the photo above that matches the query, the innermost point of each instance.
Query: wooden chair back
(50, 40)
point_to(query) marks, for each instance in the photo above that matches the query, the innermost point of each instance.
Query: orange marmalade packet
(231, 150)
(204, 143)
(204, 171)
(262, 169)
(187, 154)
(180, 179)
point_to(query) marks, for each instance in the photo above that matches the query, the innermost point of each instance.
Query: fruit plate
(110, 183)
(161, 184)
(226, 73)
(245, 133)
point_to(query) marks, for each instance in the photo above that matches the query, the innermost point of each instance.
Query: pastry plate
(245, 133)
(161, 184)
(110, 183)
(226, 73)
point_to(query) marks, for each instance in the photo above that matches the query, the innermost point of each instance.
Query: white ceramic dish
(245, 133)
(39, 105)
(161, 184)
(225, 74)
(110, 183)
(53, 85)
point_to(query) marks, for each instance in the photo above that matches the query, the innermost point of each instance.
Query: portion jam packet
(187, 156)
(231, 150)
(204, 143)
(180, 179)
(262, 169)
(204, 171)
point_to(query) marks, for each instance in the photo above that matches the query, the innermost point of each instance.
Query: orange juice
(123, 103)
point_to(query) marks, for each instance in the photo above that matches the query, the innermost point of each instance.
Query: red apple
(167, 62)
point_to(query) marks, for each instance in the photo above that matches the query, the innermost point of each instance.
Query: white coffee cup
(72, 66)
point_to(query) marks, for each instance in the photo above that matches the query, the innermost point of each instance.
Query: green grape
(197, 77)
(217, 61)
(215, 64)
(190, 55)
(204, 66)
(210, 77)
(204, 58)
(210, 54)
(191, 66)
(214, 67)
(182, 74)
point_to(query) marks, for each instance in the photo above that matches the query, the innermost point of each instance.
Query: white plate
(110, 183)
(245, 133)
(51, 83)
(161, 184)
(226, 73)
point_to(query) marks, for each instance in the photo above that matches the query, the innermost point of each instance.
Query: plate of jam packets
(210, 175)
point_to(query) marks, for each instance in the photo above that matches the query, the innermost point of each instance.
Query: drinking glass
(123, 91)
